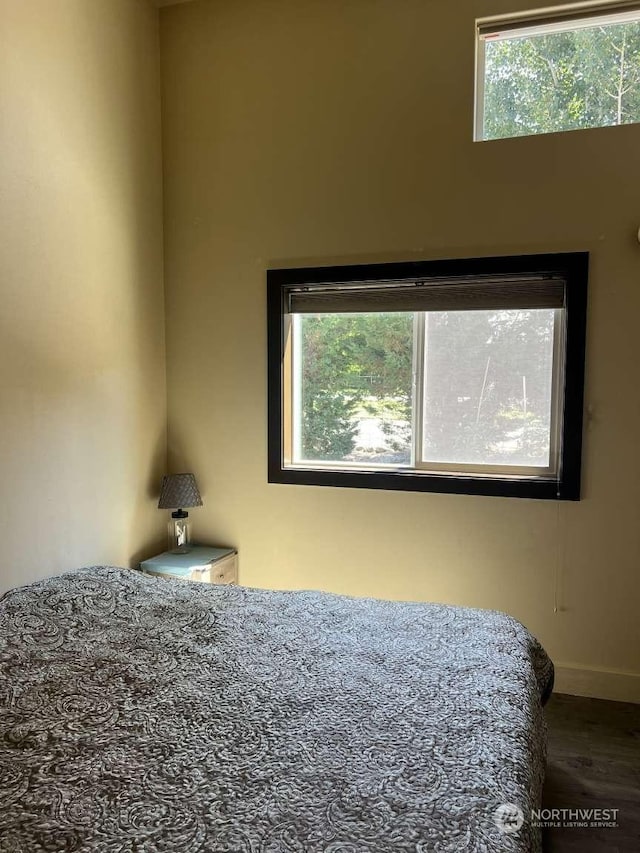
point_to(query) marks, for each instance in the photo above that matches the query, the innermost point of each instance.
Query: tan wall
(322, 131)
(82, 373)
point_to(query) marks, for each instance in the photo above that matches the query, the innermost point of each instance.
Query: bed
(141, 715)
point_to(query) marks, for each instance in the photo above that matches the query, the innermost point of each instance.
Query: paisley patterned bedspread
(142, 715)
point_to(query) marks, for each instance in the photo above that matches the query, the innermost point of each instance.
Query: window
(450, 376)
(576, 69)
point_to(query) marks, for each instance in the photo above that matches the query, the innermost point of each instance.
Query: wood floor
(593, 762)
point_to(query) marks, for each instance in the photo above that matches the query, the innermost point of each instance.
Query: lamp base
(179, 533)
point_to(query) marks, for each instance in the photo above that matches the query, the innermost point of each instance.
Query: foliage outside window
(577, 71)
(457, 383)
(355, 386)
(486, 382)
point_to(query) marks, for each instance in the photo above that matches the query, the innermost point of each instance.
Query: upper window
(544, 73)
(456, 376)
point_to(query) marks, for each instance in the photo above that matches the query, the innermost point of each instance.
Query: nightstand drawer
(225, 571)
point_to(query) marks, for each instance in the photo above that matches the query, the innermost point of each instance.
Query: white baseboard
(597, 683)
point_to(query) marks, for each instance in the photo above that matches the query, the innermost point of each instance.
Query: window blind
(434, 295)
(575, 17)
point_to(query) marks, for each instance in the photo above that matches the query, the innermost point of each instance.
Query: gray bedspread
(141, 715)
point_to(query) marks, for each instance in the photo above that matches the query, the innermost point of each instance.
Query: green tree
(346, 359)
(562, 81)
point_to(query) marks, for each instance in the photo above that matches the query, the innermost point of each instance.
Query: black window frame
(573, 267)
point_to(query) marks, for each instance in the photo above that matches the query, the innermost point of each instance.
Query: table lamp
(177, 492)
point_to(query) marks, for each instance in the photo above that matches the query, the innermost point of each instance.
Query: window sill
(412, 481)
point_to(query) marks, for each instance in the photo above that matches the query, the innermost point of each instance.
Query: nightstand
(201, 564)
